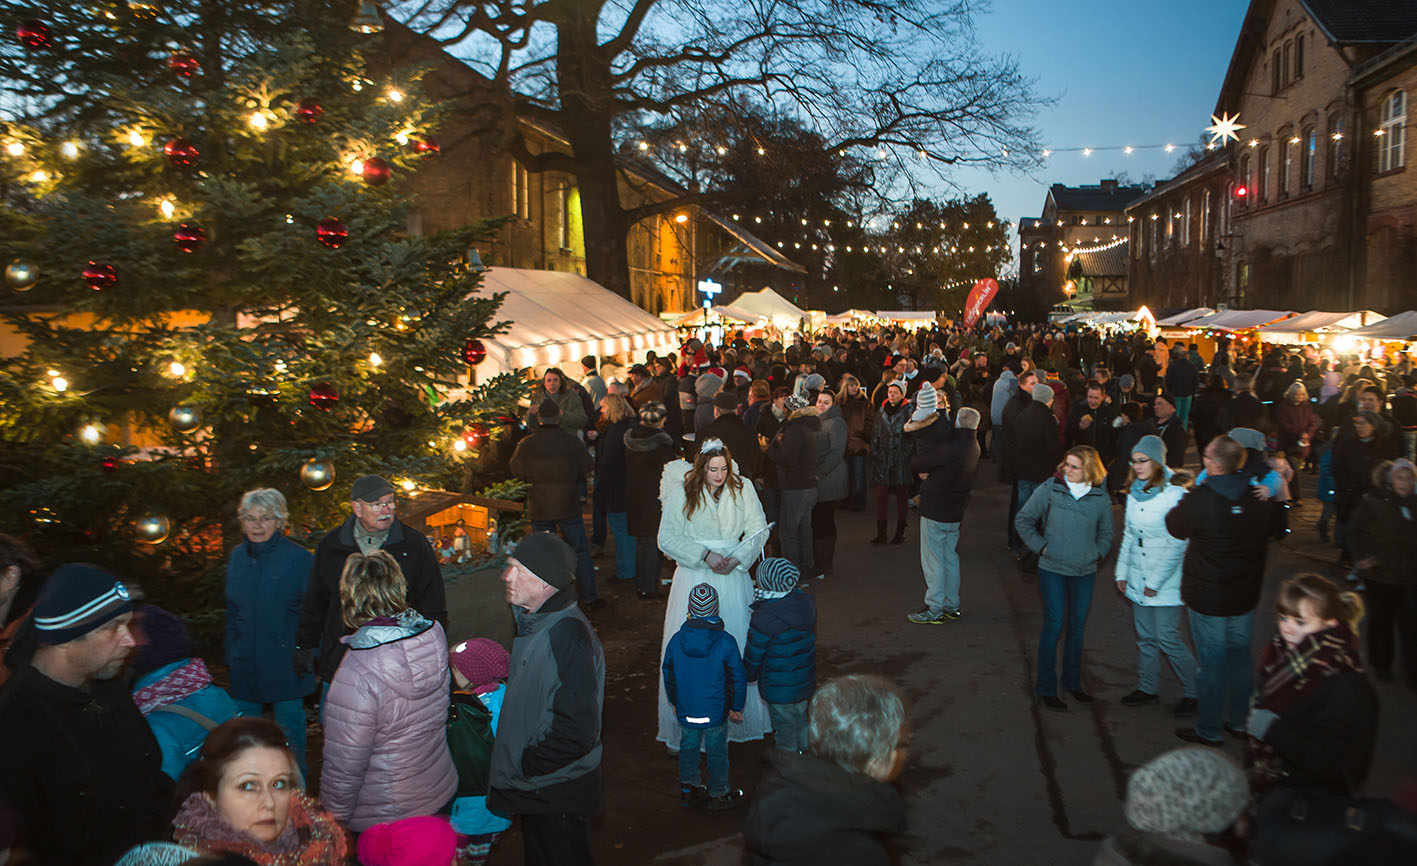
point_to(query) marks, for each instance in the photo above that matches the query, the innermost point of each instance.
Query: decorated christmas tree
(210, 287)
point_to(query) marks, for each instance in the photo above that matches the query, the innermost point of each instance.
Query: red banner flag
(979, 298)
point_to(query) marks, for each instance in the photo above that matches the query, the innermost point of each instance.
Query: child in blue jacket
(701, 667)
(781, 656)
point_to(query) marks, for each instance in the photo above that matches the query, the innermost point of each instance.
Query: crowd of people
(730, 464)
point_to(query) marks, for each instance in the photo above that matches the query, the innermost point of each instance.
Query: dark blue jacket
(781, 655)
(701, 666)
(265, 588)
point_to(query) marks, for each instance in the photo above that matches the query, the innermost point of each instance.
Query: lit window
(1392, 126)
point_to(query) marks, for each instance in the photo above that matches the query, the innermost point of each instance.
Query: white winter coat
(717, 525)
(1150, 557)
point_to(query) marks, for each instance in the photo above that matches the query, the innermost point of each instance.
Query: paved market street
(992, 778)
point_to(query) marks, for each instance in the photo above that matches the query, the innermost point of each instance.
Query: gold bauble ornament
(152, 528)
(317, 474)
(21, 275)
(184, 419)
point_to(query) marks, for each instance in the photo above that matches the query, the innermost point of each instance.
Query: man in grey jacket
(545, 765)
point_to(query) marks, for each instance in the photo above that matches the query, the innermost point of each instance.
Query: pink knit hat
(483, 661)
(425, 841)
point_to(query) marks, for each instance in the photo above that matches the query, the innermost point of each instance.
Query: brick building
(1071, 252)
(1288, 212)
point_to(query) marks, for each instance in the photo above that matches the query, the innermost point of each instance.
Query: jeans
(573, 530)
(715, 740)
(597, 518)
(1015, 541)
(624, 545)
(794, 527)
(556, 839)
(1225, 675)
(772, 508)
(1025, 490)
(647, 565)
(1064, 596)
(1183, 411)
(939, 560)
(290, 715)
(1159, 631)
(856, 482)
(789, 726)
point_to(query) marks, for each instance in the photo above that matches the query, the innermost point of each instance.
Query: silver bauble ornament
(21, 275)
(184, 419)
(317, 474)
(152, 528)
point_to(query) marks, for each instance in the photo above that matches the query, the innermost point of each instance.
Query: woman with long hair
(244, 795)
(1068, 523)
(713, 528)
(617, 417)
(386, 748)
(1149, 575)
(1296, 424)
(860, 416)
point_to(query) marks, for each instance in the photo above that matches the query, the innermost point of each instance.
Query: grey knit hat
(1153, 447)
(1042, 393)
(1248, 437)
(1186, 793)
(813, 382)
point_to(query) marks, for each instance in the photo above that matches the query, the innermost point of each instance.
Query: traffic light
(1241, 191)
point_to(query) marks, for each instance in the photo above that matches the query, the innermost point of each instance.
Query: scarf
(1288, 673)
(180, 683)
(312, 837)
(1078, 490)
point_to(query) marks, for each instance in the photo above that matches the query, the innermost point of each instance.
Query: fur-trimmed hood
(644, 438)
(912, 426)
(804, 412)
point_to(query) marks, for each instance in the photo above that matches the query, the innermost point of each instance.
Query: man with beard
(80, 770)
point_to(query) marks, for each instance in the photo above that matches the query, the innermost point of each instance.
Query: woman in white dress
(713, 530)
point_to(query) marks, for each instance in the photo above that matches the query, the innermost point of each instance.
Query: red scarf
(178, 684)
(312, 837)
(1288, 673)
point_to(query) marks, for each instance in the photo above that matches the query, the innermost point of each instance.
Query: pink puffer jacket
(386, 749)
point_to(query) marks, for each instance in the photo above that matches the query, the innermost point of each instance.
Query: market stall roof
(1403, 326)
(767, 303)
(1102, 319)
(557, 317)
(1239, 320)
(1316, 320)
(1182, 318)
(906, 315)
(849, 316)
(751, 246)
(716, 314)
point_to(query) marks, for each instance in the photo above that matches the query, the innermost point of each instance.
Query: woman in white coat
(713, 529)
(1149, 575)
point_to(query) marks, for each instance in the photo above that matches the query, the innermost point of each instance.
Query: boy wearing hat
(701, 668)
(781, 656)
(80, 771)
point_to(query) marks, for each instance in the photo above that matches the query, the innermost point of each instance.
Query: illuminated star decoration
(1224, 128)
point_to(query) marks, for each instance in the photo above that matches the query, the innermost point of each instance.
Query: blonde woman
(1149, 575)
(617, 417)
(386, 750)
(1068, 523)
(713, 528)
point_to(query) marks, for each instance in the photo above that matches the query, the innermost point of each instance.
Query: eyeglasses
(1137, 461)
(252, 518)
(383, 505)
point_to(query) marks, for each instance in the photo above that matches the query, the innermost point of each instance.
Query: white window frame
(1311, 157)
(1205, 217)
(1392, 127)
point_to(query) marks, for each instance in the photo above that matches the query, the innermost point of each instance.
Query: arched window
(1284, 64)
(1246, 179)
(1205, 217)
(1335, 146)
(1390, 131)
(1299, 56)
(1277, 71)
(1311, 155)
(1286, 163)
(1264, 174)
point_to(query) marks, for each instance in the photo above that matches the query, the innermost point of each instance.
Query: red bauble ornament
(426, 146)
(323, 396)
(476, 434)
(331, 232)
(34, 35)
(110, 464)
(181, 152)
(474, 352)
(189, 237)
(308, 110)
(376, 171)
(100, 276)
(183, 64)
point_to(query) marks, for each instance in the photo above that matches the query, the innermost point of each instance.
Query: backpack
(470, 743)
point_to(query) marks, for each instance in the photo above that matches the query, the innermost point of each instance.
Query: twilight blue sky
(1140, 72)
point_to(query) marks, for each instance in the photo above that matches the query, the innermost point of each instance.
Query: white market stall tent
(909, 318)
(559, 317)
(1239, 320)
(1311, 325)
(718, 315)
(1178, 319)
(1403, 326)
(776, 309)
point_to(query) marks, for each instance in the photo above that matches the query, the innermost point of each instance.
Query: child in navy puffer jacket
(781, 656)
(701, 667)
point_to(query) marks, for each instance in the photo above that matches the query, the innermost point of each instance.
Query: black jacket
(646, 451)
(951, 459)
(1037, 448)
(1325, 739)
(1009, 416)
(1173, 433)
(1386, 527)
(554, 462)
(610, 466)
(321, 624)
(1181, 378)
(1229, 531)
(1099, 433)
(742, 443)
(1242, 410)
(811, 812)
(794, 450)
(80, 771)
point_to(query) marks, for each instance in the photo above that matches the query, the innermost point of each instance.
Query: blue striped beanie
(78, 598)
(703, 601)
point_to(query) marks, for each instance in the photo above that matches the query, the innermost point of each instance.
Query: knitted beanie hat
(547, 557)
(794, 402)
(1042, 393)
(776, 578)
(548, 411)
(76, 599)
(703, 601)
(423, 841)
(482, 661)
(813, 382)
(1248, 437)
(1186, 793)
(1153, 447)
(927, 401)
(1168, 398)
(164, 639)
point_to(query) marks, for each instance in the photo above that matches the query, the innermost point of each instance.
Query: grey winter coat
(890, 449)
(1073, 535)
(831, 454)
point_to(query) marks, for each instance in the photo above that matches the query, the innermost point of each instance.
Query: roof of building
(1097, 197)
(749, 242)
(1350, 21)
(1214, 161)
(1110, 261)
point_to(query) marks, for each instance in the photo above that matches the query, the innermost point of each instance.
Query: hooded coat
(1073, 535)
(553, 461)
(1150, 557)
(1386, 527)
(794, 452)
(647, 449)
(781, 655)
(831, 455)
(1223, 569)
(703, 673)
(386, 749)
(891, 449)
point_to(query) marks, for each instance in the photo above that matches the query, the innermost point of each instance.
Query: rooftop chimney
(1109, 185)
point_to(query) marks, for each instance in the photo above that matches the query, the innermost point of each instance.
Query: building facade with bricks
(1075, 252)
